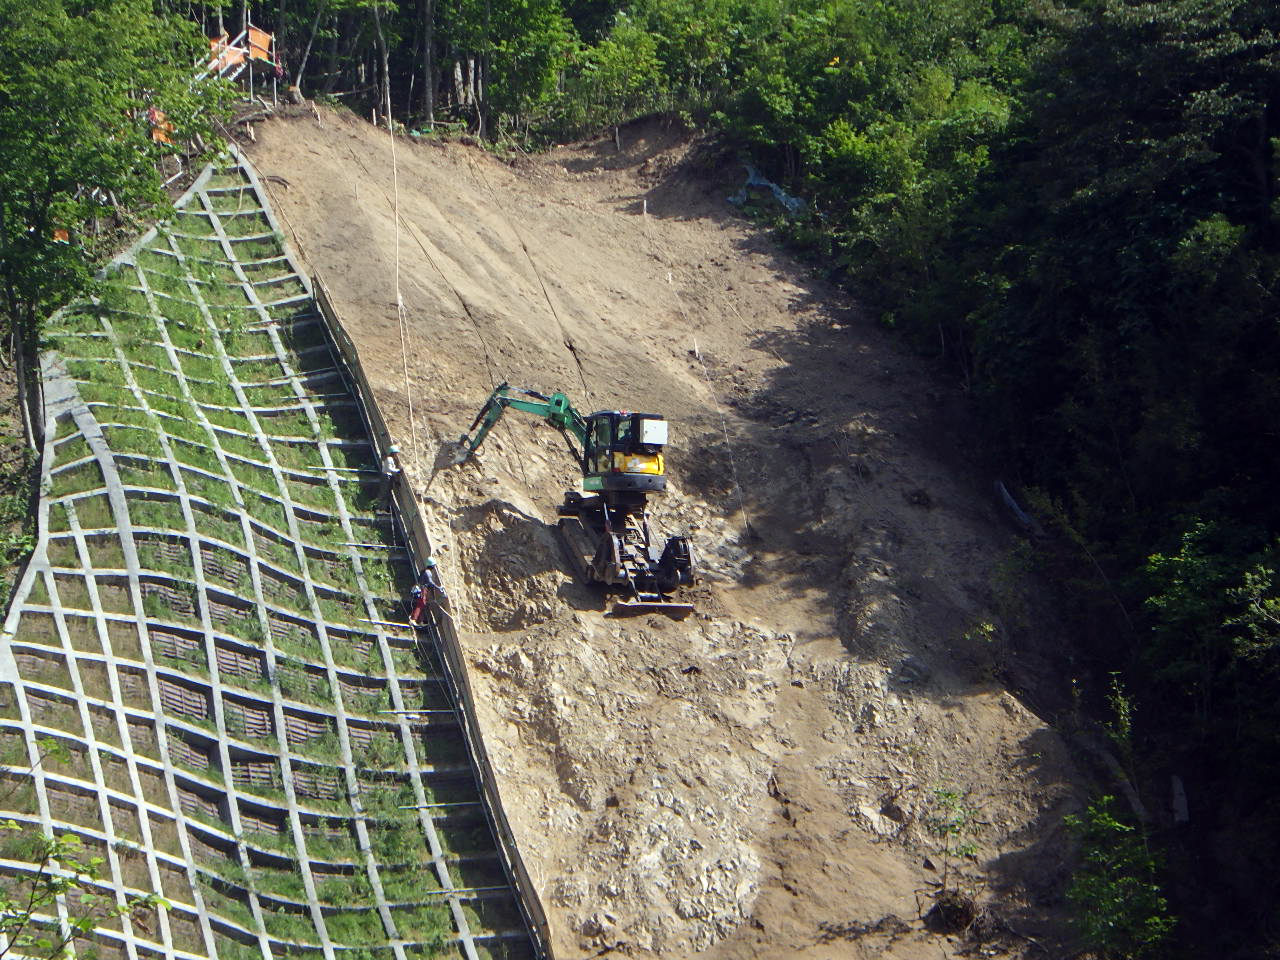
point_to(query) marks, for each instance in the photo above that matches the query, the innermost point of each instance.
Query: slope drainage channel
(238, 730)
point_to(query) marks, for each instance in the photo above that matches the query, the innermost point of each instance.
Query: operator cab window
(603, 458)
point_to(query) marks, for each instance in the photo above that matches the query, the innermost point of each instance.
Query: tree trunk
(415, 49)
(331, 62)
(1265, 160)
(24, 393)
(25, 340)
(428, 59)
(482, 72)
(280, 29)
(302, 64)
(385, 60)
(482, 106)
(357, 35)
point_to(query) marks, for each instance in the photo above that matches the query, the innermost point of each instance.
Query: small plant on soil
(950, 822)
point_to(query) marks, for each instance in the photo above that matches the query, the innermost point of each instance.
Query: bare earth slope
(766, 778)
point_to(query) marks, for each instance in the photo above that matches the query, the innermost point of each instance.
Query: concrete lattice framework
(202, 627)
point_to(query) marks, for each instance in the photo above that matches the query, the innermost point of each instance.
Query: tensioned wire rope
(720, 412)
(555, 314)
(402, 317)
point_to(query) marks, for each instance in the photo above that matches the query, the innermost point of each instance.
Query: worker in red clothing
(428, 593)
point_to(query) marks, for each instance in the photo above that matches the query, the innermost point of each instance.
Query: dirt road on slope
(774, 776)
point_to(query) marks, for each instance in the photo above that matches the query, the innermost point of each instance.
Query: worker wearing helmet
(427, 593)
(390, 471)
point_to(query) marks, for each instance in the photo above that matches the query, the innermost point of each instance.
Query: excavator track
(629, 565)
(672, 608)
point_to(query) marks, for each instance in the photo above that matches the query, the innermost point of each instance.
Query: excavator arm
(555, 409)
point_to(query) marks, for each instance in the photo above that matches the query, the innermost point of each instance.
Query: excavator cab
(623, 452)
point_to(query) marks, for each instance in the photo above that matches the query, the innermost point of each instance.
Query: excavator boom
(555, 409)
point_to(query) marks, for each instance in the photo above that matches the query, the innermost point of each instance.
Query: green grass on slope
(250, 702)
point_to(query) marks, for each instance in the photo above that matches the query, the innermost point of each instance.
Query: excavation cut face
(199, 631)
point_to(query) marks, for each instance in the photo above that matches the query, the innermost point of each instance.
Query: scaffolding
(250, 51)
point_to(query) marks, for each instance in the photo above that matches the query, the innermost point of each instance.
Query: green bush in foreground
(1119, 908)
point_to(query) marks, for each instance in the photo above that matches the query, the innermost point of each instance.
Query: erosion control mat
(200, 630)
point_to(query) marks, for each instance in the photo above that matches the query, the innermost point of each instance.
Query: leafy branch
(63, 872)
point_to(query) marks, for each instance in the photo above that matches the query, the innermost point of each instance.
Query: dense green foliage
(1110, 292)
(1119, 907)
(884, 112)
(77, 82)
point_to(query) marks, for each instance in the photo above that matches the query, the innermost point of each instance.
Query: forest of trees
(1072, 204)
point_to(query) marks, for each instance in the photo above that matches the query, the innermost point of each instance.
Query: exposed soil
(771, 776)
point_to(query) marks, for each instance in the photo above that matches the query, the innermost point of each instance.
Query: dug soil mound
(796, 769)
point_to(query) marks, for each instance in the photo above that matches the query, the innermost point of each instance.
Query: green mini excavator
(605, 527)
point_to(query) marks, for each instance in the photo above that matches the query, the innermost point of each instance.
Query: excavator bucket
(462, 452)
(632, 606)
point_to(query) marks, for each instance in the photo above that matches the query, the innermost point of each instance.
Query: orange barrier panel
(223, 55)
(160, 127)
(260, 44)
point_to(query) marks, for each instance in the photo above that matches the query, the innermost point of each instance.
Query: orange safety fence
(260, 44)
(227, 53)
(224, 55)
(161, 128)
